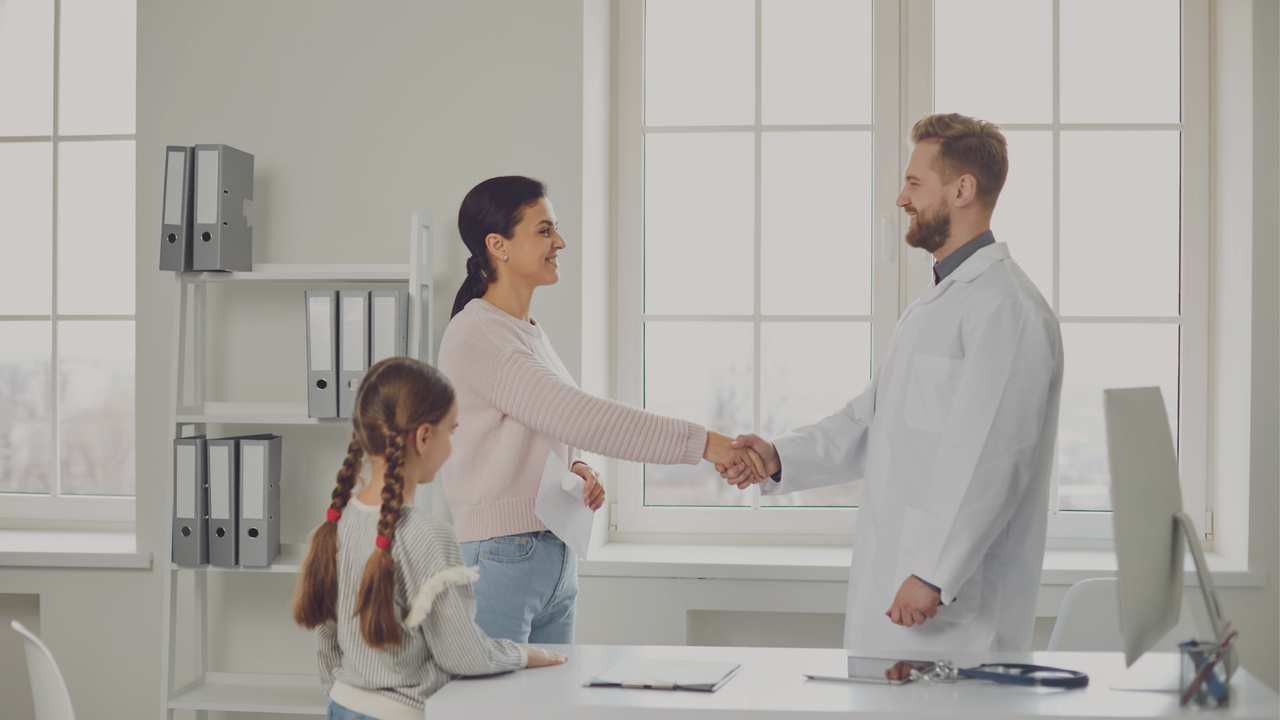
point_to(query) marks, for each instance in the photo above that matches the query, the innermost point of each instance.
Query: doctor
(954, 436)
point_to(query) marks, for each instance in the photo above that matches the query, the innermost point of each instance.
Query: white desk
(771, 685)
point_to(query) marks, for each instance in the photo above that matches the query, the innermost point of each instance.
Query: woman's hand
(722, 452)
(593, 491)
(542, 658)
(762, 450)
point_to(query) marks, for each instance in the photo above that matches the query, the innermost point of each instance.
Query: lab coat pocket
(931, 388)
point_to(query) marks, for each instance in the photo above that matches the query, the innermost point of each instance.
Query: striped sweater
(516, 404)
(436, 609)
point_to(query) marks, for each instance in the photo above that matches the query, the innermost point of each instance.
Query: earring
(504, 257)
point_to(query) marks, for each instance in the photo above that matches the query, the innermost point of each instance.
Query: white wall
(357, 112)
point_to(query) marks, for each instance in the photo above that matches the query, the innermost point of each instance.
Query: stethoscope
(1009, 673)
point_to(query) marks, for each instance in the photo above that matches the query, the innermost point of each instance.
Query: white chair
(48, 689)
(1089, 620)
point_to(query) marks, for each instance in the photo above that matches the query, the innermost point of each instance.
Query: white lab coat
(953, 441)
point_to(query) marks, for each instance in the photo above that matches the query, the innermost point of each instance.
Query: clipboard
(695, 675)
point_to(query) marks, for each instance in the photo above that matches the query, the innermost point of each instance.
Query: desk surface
(771, 684)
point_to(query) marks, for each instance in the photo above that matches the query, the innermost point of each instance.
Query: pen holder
(1203, 674)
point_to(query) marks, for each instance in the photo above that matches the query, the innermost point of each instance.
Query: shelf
(261, 693)
(334, 272)
(254, 414)
(289, 561)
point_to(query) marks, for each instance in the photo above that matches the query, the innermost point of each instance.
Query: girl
(523, 407)
(383, 584)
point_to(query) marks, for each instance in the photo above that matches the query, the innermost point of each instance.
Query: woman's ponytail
(479, 274)
(494, 206)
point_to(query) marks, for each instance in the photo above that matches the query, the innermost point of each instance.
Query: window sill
(831, 564)
(68, 549)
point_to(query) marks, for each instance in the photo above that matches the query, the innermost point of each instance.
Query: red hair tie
(383, 542)
(334, 514)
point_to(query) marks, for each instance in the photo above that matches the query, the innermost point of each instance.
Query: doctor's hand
(593, 491)
(763, 450)
(725, 452)
(915, 603)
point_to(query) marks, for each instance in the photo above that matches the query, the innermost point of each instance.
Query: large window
(67, 77)
(761, 148)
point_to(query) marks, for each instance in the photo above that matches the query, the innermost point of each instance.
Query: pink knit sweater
(516, 404)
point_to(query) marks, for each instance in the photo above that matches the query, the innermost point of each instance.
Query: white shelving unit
(191, 412)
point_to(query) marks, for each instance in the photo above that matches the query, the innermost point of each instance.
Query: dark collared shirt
(946, 266)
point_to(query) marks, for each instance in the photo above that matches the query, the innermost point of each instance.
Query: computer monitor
(1150, 525)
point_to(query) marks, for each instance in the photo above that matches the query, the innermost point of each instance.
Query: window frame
(633, 515)
(1090, 529)
(904, 48)
(42, 508)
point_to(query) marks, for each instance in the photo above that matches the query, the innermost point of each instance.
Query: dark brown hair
(967, 147)
(494, 206)
(397, 396)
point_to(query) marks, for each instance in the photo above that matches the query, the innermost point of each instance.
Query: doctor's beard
(930, 231)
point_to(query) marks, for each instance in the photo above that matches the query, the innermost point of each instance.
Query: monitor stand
(1220, 626)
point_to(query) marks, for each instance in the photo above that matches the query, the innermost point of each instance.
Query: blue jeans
(528, 587)
(337, 712)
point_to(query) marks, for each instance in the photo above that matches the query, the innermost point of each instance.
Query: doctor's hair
(397, 396)
(496, 205)
(968, 147)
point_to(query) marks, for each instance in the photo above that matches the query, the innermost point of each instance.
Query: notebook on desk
(667, 675)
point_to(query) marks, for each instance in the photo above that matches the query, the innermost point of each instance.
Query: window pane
(1119, 227)
(1120, 61)
(1101, 357)
(815, 223)
(809, 371)
(993, 59)
(1024, 212)
(816, 62)
(700, 372)
(95, 418)
(26, 431)
(97, 67)
(26, 228)
(700, 62)
(96, 243)
(699, 223)
(26, 67)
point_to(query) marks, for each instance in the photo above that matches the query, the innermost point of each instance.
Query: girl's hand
(593, 492)
(542, 658)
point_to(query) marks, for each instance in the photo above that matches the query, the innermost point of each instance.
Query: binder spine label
(320, 353)
(253, 481)
(220, 479)
(207, 187)
(174, 175)
(185, 488)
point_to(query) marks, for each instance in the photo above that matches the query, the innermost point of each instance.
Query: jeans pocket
(508, 549)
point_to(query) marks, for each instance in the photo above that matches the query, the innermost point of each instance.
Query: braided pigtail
(315, 599)
(376, 600)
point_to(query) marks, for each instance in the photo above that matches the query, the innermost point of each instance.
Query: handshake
(744, 460)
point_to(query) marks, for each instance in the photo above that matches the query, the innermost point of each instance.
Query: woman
(518, 405)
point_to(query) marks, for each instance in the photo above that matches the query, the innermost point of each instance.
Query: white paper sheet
(560, 508)
(679, 673)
